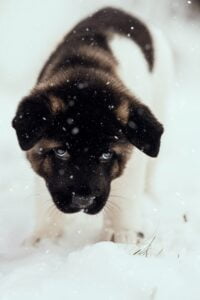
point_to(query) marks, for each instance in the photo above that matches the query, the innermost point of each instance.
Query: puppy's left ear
(143, 130)
(31, 121)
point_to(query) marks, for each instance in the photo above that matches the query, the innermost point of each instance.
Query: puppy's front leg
(49, 220)
(121, 221)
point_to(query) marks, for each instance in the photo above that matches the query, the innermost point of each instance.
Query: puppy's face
(77, 174)
(79, 138)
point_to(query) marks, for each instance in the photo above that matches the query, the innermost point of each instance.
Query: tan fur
(57, 104)
(122, 112)
(40, 163)
(35, 159)
(54, 81)
(125, 151)
(46, 144)
(116, 170)
(47, 168)
(102, 57)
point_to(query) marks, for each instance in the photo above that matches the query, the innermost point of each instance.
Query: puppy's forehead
(86, 114)
(82, 132)
(83, 119)
(85, 137)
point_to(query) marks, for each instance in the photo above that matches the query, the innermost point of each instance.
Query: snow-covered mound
(167, 263)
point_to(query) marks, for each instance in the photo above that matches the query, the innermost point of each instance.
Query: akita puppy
(88, 126)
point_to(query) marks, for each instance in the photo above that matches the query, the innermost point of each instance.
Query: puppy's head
(79, 135)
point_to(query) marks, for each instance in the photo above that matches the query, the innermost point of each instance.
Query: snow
(75, 130)
(167, 264)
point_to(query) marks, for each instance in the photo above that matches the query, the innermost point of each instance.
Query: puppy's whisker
(113, 205)
(119, 196)
(106, 210)
(53, 212)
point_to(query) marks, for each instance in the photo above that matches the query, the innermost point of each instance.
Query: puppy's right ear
(32, 120)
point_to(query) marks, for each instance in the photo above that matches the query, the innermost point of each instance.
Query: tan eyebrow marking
(122, 112)
(57, 104)
(42, 164)
(47, 144)
(123, 149)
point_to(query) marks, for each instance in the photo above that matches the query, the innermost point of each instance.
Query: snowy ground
(168, 263)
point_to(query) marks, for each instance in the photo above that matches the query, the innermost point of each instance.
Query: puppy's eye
(61, 153)
(106, 157)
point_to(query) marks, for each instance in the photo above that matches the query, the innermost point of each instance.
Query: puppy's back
(92, 35)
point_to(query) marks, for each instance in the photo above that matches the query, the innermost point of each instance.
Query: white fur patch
(149, 87)
(132, 66)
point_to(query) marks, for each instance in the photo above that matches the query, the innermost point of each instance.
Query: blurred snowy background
(167, 264)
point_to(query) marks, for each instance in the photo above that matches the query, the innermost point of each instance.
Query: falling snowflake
(40, 150)
(61, 172)
(70, 121)
(75, 130)
(82, 85)
(132, 124)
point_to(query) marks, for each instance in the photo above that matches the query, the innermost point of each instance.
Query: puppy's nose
(82, 201)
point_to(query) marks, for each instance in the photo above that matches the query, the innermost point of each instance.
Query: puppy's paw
(38, 236)
(122, 236)
(107, 234)
(31, 241)
(126, 237)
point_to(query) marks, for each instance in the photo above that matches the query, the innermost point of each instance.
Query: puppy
(87, 125)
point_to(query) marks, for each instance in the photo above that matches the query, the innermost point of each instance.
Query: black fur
(143, 130)
(32, 120)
